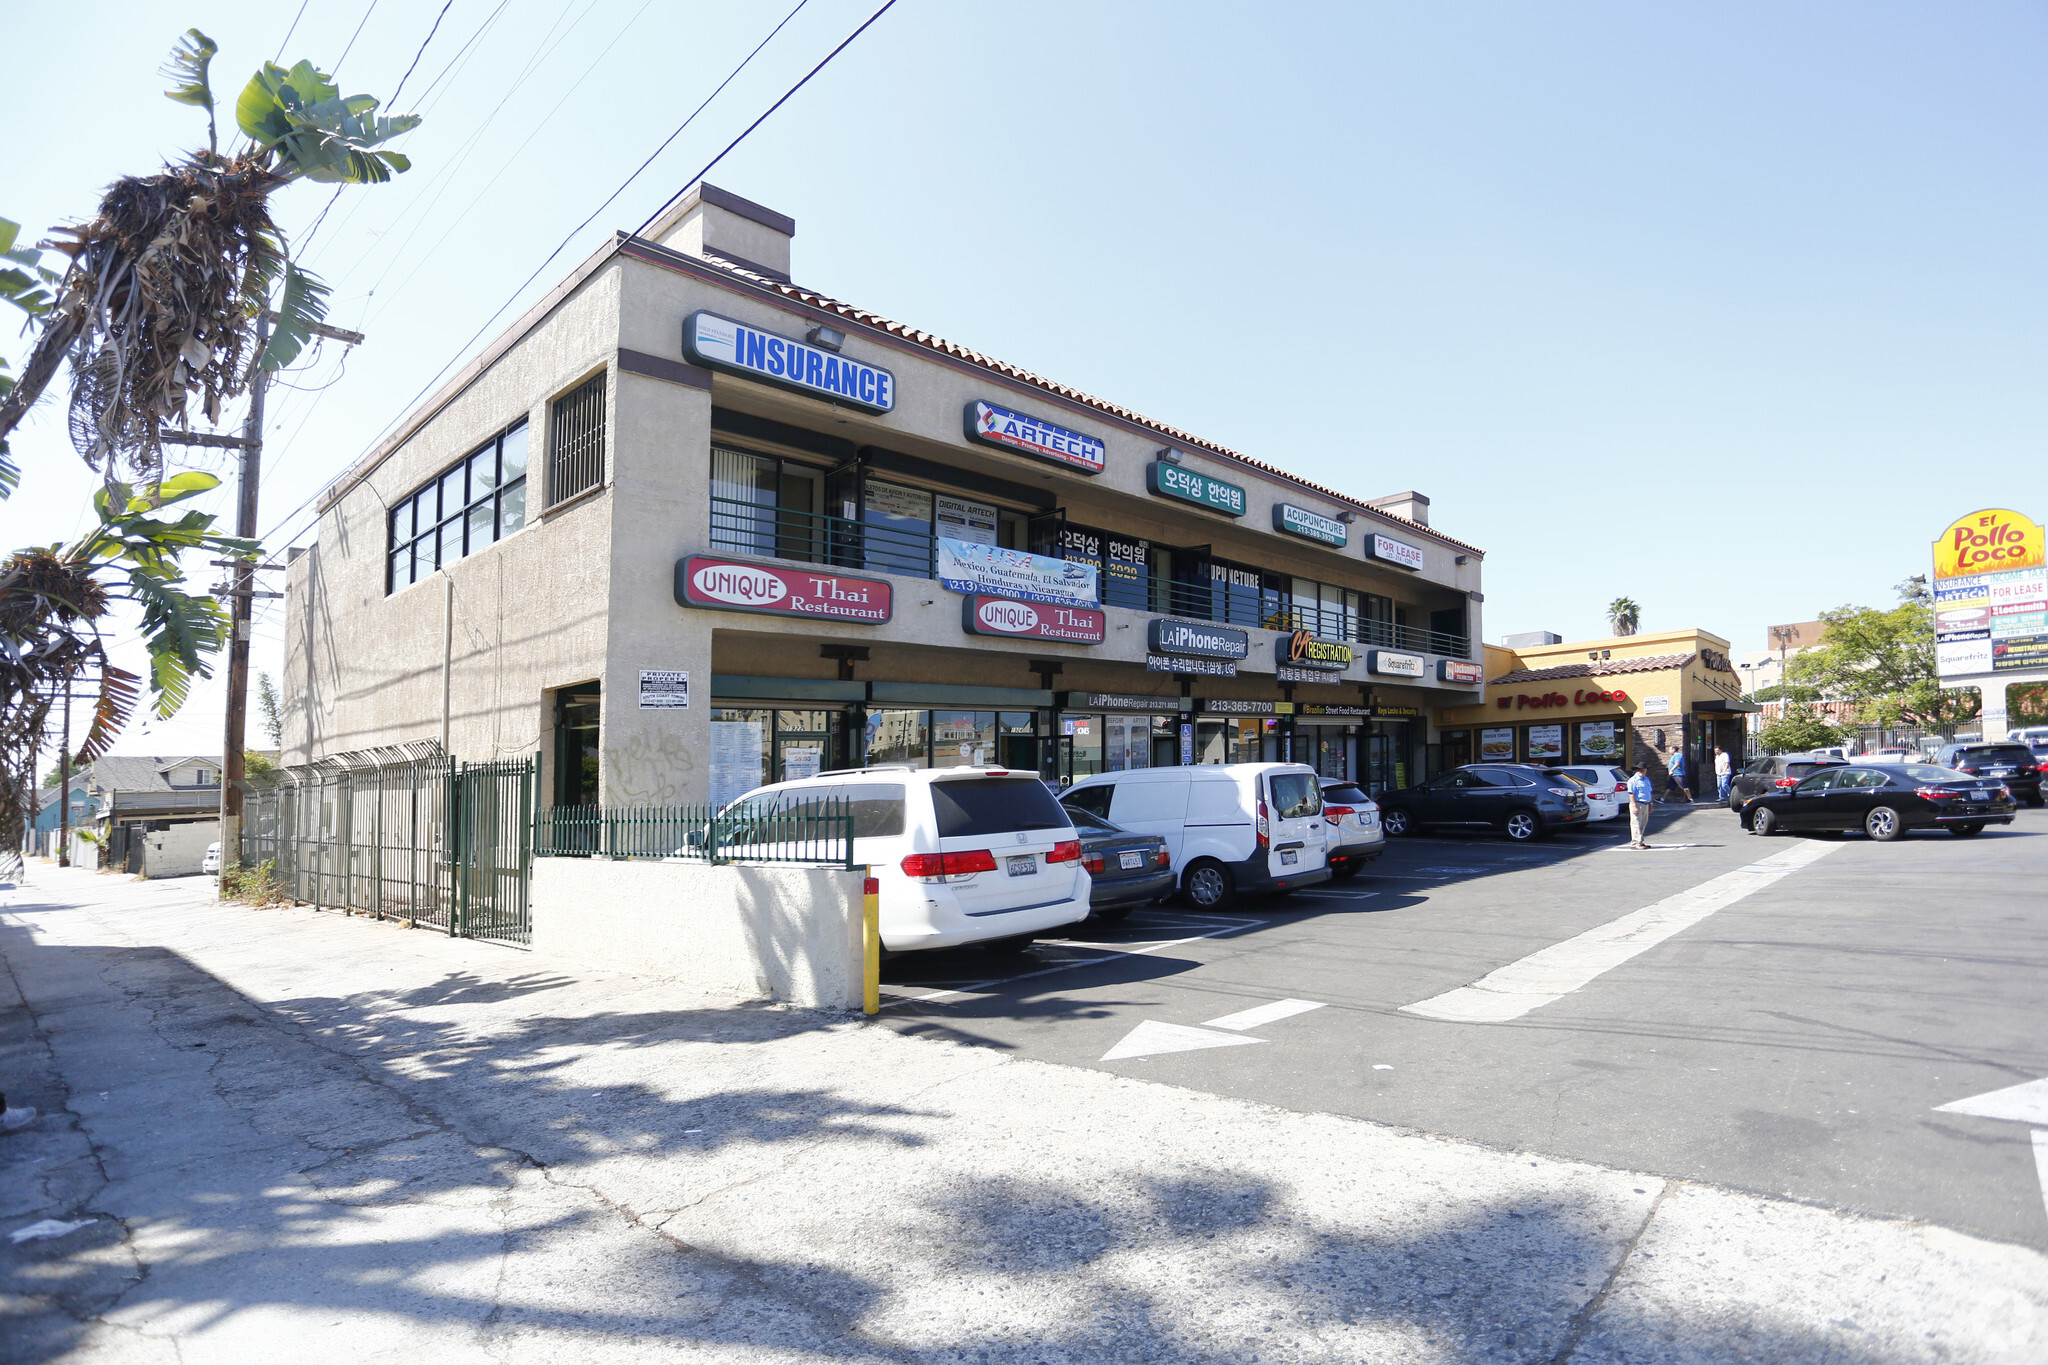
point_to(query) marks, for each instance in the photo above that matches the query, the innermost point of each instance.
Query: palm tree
(1623, 614)
(161, 299)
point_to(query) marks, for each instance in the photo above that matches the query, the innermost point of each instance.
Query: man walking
(1675, 766)
(1642, 794)
(1724, 772)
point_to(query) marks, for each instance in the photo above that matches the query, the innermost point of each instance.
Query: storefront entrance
(1383, 766)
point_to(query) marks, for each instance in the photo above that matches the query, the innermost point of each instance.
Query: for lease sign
(730, 585)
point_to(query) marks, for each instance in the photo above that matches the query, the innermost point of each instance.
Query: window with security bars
(576, 441)
(477, 502)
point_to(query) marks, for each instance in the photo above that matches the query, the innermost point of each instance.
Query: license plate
(1980, 796)
(1130, 862)
(1289, 857)
(1998, 772)
(1024, 865)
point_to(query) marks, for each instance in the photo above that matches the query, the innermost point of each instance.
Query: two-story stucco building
(686, 527)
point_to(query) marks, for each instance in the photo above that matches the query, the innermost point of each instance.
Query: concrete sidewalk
(304, 1137)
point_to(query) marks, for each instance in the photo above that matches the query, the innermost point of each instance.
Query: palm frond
(188, 63)
(303, 303)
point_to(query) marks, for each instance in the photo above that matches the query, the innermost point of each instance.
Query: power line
(423, 50)
(290, 31)
(352, 38)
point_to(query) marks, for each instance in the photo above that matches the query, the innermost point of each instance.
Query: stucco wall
(791, 934)
(178, 850)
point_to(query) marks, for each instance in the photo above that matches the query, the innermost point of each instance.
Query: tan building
(687, 527)
(1623, 699)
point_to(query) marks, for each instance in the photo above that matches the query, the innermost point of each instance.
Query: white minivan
(1232, 827)
(960, 855)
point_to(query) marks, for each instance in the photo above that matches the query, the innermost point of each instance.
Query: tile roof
(811, 297)
(1647, 663)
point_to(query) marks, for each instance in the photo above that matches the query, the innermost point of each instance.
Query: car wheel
(1209, 885)
(1396, 822)
(1346, 871)
(1883, 824)
(1961, 831)
(1523, 825)
(1764, 822)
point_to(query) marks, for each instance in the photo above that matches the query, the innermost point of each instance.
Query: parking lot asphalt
(1793, 1034)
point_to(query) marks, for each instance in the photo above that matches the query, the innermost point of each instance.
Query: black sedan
(1128, 870)
(1884, 800)
(1523, 800)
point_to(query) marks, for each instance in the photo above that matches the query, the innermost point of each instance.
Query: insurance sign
(1041, 440)
(737, 348)
(730, 585)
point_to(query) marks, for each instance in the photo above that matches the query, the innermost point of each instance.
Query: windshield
(995, 805)
(1295, 796)
(1345, 794)
(1996, 753)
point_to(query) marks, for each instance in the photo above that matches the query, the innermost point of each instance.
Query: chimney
(1411, 505)
(709, 221)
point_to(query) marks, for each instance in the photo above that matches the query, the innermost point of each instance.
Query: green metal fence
(815, 832)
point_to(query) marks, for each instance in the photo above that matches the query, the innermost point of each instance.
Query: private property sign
(1026, 435)
(981, 614)
(736, 348)
(730, 585)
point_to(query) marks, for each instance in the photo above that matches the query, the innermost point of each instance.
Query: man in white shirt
(1724, 771)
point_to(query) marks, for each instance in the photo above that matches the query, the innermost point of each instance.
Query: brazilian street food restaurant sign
(1169, 480)
(729, 585)
(1290, 520)
(1304, 650)
(736, 348)
(1026, 435)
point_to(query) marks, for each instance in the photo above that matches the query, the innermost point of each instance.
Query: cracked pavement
(304, 1136)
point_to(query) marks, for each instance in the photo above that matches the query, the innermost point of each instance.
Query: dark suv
(1780, 772)
(1519, 798)
(2012, 763)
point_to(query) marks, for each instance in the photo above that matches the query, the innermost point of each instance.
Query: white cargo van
(1232, 827)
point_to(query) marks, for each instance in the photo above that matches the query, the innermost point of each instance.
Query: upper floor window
(576, 441)
(478, 502)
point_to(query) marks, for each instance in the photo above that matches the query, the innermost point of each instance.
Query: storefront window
(1497, 746)
(1543, 743)
(739, 752)
(898, 737)
(1081, 744)
(1457, 748)
(963, 739)
(1326, 748)
(1599, 742)
(1239, 739)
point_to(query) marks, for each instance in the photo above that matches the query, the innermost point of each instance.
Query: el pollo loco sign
(1584, 696)
(1988, 541)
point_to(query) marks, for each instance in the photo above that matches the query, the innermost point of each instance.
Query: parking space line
(1229, 928)
(1550, 974)
(1260, 1015)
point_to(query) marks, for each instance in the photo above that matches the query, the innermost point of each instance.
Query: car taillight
(1165, 857)
(1338, 812)
(1786, 782)
(1562, 791)
(1971, 771)
(1065, 851)
(1092, 865)
(1620, 787)
(962, 864)
(1265, 830)
(1936, 793)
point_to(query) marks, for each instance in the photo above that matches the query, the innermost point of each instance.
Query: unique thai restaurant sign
(1990, 594)
(1458, 671)
(1041, 440)
(984, 615)
(1387, 662)
(1198, 640)
(729, 585)
(1304, 650)
(1185, 485)
(1399, 553)
(737, 348)
(990, 569)
(1299, 521)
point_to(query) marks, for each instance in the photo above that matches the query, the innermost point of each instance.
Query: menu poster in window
(801, 761)
(972, 522)
(1546, 741)
(1596, 739)
(736, 755)
(1497, 746)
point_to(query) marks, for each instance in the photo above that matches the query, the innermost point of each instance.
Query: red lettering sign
(1584, 696)
(731, 585)
(981, 614)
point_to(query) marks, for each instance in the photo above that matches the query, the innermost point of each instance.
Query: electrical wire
(352, 39)
(290, 31)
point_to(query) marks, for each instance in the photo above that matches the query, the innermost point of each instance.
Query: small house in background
(118, 799)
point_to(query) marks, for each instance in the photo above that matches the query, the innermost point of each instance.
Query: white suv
(961, 855)
(1606, 789)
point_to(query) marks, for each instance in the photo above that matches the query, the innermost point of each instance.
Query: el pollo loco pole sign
(1990, 541)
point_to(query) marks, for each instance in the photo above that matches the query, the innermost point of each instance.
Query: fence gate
(490, 821)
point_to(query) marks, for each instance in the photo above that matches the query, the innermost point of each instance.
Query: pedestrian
(1724, 771)
(1642, 794)
(1675, 768)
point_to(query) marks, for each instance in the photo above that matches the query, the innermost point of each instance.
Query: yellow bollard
(871, 945)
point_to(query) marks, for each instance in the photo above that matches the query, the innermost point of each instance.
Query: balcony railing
(742, 527)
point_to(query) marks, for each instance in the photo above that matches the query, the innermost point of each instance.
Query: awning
(1718, 704)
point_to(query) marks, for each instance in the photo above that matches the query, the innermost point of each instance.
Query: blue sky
(1729, 308)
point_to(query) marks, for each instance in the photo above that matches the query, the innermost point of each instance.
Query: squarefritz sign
(984, 615)
(1198, 641)
(1390, 664)
(1457, 671)
(1007, 430)
(736, 348)
(1304, 650)
(1185, 485)
(1399, 553)
(729, 585)
(1299, 521)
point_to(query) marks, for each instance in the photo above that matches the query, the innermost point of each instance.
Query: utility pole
(243, 591)
(64, 783)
